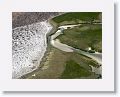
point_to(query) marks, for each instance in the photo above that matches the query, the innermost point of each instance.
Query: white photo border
(104, 84)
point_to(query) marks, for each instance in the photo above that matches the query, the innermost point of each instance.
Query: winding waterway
(64, 47)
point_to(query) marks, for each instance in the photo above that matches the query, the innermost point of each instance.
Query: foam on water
(28, 47)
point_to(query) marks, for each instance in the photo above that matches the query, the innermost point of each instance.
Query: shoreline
(48, 49)
(29, 57)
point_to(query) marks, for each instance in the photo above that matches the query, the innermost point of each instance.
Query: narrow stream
(64, 47)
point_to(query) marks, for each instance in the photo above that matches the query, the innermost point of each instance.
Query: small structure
(33, 75)
(88, 49)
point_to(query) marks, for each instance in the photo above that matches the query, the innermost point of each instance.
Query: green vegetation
(76, 16)
(56, 61)
(74, 70)
(72, 65)
(83, 37)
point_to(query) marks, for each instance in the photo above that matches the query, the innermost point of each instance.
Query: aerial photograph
(56, 45)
